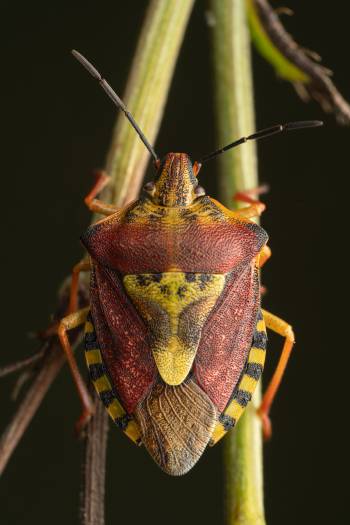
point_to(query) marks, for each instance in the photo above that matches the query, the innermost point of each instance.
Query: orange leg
(285, 330)
(256, 207)
(96, 205)
(69, 323)
(83, 266)
(254, 210)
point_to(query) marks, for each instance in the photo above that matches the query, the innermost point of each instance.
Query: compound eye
(149, 187)
(199, 191)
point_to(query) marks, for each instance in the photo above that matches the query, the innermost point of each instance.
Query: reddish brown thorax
(175, 182)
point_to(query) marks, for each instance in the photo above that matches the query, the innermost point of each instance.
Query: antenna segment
(114, 97)
(279, 128)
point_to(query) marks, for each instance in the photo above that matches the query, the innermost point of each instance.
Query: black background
(56, 125)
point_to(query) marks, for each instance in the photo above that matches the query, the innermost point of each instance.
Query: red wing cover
(227, 336)
(122, 336)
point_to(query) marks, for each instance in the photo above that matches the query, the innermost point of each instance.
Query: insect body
(175, 336)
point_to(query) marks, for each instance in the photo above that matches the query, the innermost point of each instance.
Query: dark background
(56, 125)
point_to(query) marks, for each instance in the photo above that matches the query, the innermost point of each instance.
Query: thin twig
(14, 431)
(19, 365)
(52, 359)
(94, 468)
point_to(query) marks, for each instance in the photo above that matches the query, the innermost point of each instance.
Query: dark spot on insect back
(160, 212)
(188, 215)
(157, 277)
(212, 210)
(204, 278)
(254, 370)
(206, 201)
(131, 216)
(164, 289)
(181, 291)
(259, 340)
(90, 345)
(90, 341)
(90, 337)
(227, 421)
(122, 422)
(142, 280)
(96, 371)
(107, 397)
(190, 277)
(242, 397)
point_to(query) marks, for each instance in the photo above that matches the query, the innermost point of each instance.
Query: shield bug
(175, 337)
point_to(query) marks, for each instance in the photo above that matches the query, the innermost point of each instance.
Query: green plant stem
(234, 110)
(146, 93)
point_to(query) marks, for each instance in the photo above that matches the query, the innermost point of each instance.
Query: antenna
(279, 128)
(114, 97)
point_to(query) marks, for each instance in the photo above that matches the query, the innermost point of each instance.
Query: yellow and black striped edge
(242, 394)
(102, 384)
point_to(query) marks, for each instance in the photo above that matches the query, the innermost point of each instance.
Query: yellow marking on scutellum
(173, 302)
(102, 384)
(247, 384)
(173, 293)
